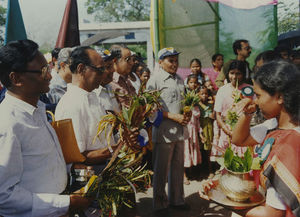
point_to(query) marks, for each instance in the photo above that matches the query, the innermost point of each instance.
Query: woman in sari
(277, 88)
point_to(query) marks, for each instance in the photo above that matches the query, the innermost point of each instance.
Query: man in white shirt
(32, 168)
(82, 105)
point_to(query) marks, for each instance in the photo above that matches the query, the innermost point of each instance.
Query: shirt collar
(22, 104)
(166, 75)
(77, 90)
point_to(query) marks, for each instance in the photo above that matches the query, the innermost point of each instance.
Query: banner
(14, 26)
(68, 35)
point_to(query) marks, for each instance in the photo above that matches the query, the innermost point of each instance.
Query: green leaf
(228, 157)
(237, 164)
(256, 164)
(248, 159)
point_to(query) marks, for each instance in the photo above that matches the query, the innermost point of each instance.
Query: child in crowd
(195, 66)
(206, 124)
(192, 154)
(211, 99)
(144, 75)
(213, 72)
(224, 101)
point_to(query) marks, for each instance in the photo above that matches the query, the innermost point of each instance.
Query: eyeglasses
(44, 70)
(99, 70)
(129, 58)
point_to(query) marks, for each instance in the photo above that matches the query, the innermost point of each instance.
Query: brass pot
(237, 186)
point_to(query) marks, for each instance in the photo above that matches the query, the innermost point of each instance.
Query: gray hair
(64, 55)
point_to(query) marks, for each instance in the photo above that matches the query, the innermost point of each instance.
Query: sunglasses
(99, 70)
(44, 70)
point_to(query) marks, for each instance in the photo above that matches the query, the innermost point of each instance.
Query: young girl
(195, 66)
(224, 101)
(206, 124)
(192, 154)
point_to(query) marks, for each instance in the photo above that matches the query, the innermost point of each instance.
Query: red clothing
(281, 169)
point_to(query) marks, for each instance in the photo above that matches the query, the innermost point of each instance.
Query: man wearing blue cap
(168, 152)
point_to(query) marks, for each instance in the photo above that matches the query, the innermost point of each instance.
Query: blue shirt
(32, 168)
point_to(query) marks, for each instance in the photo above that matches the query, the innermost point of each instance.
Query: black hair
(195, 60)
(202, 87)
(192, 76)
(283, 78)
(79, 55)
(282, 48)
(14, 57)
(116, 50)
(144, 69)
(55, 52)
(215, 56)
(236, 64)
(237, 45)
(266, 56)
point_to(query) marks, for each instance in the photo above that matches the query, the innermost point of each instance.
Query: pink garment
(227, 102)
(192, 154)
(212, 74)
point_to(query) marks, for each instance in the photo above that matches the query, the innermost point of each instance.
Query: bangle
(248, 114)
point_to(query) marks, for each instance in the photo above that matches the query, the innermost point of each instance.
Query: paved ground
(199, 206)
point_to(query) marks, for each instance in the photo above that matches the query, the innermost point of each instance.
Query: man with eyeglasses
(33, 171)
(121, 83)
(81, 104)
(242, 50)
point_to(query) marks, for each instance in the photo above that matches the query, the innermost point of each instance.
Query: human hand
(227, 130)
(132, 140)
(181, 119)
(246, 105)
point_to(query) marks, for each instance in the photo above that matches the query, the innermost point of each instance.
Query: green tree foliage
(119, 10)
(288, 16)
(2, 23)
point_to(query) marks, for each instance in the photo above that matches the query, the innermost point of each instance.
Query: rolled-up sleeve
(14, 199)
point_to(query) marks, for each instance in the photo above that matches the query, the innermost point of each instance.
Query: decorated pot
(237, 186)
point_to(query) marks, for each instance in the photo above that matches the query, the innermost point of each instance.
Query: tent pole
(217, 27)
(156, 27)
(275, 22)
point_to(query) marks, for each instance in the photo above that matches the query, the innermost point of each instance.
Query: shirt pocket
(169, 95)
(38, 142)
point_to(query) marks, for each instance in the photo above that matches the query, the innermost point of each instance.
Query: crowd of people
(83, 84)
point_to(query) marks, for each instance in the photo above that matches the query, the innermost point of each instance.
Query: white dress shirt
(107, 98)
(85, 110)
(32, 168)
